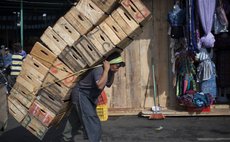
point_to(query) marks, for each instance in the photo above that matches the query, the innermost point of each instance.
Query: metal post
(21, 24)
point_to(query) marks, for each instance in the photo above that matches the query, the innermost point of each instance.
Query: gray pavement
(139, 129)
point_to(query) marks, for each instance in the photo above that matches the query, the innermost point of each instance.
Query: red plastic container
(102, 99)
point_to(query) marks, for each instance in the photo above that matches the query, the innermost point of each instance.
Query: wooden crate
(143, 9)
(133, 11)
(125, 21)
(61, 72)
(57, 106)
(91, 11)
(66, 31)
(42, 113)
(16, 109)
(34, 67)
(106, 5)
(19, 87)
(101, 41)
(58, 89)
(31, 87)
(113, 30)
(115, 33)
(43, 54)
(78, 21)
(72, 59)
(34, 126)
(25, 99)
(88, 51)
(31, 79)
(53, 41)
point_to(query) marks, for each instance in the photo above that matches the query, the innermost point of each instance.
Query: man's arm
(103, 79)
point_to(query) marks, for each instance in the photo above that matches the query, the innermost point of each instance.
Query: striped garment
(16, 65)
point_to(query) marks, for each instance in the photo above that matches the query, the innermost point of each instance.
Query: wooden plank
(42, 54)
(78, 20)
(106, 5)
(53, 41)
(64, 29)
(91, 11)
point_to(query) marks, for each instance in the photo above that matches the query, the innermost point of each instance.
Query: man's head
(17, 47)
(115, 61)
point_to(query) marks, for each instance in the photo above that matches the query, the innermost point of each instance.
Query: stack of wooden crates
(88, 33)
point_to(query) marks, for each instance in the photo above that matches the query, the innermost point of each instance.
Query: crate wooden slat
(58, 89)
(91, 11)
(125, 21)
(53, 41)
(34, 126)
(106, 5)
(43, 54)
(78, 21)
(66, 31)
(101, 41)
(58, 106)
(16, 109)
(36, 68)
(61, 72)
(25, 99)
(72, 59)
(88, 51)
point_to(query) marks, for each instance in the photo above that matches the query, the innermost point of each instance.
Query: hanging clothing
(206, 11)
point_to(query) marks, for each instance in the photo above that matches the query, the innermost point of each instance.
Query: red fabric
(102, 99)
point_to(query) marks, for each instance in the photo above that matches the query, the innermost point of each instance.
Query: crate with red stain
(126, 22)
(16, 109)
(66, 31)
(53, 41)
(42, 113)
(88, 51)
(137, 10)
(56, 88)
(91, 11)
(72, 59)
(63, 73)
(78, 20)
(48, 99)
(34, 126)
(43, 54)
